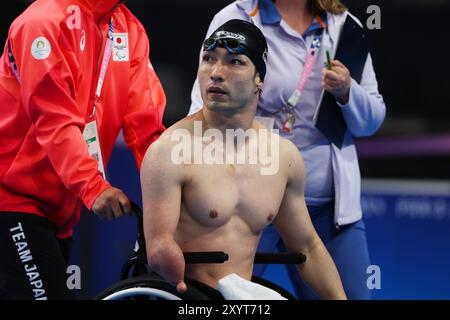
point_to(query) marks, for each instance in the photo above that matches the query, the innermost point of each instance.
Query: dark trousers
(33, 260)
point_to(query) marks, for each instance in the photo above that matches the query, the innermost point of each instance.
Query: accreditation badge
(90, 135)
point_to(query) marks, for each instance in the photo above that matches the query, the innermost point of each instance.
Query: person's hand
(166, 258)
(337, 81)
(111, 203)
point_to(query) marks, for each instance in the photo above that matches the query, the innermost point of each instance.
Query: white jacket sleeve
(365, 111)
(196, 99)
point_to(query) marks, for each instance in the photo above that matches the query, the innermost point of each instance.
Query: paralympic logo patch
(41, 48)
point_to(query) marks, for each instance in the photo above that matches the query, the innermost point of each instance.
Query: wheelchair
(139, 282)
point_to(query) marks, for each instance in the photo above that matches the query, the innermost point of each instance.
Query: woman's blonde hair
(331, 6)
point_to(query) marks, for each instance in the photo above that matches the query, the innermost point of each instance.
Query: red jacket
(45, 168)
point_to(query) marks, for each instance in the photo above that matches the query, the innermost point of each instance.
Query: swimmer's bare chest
(219, 194)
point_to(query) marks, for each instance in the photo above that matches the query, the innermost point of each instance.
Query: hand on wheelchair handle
(111, 203)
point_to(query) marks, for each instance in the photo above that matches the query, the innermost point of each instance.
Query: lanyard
(105, 62)
(91, 132)
(305, 75)
(307, 70)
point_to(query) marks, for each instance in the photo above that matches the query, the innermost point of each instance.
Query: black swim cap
(241, 37)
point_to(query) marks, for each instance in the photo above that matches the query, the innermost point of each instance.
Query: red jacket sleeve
(146, 101)
(47, 93)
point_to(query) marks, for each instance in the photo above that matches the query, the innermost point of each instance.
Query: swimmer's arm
(298, 233)
(161, 182)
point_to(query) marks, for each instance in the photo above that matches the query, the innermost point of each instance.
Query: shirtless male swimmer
(224, 206)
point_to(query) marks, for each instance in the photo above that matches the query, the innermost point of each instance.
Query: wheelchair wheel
(148, 287)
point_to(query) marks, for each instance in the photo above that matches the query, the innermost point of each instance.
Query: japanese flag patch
(120, 47)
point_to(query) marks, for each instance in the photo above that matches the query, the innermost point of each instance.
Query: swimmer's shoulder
(172, 136)
(290, 156)
(288, 150)
(183, 126)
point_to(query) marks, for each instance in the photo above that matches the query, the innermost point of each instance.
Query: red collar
(98, 8)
